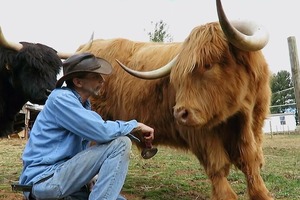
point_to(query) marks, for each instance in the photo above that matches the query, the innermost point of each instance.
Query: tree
(282, 93)
(160, 33)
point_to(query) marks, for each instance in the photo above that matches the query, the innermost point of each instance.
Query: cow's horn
(9, 45)
(65, 55)
(246, 36)
(154, 74)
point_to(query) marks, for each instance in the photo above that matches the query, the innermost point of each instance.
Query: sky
(66, 24)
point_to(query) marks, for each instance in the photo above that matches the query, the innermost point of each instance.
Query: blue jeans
(110, 161)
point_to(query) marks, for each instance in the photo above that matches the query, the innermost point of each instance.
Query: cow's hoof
(148, 153)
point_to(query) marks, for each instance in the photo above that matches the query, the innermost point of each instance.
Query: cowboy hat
(84, 62)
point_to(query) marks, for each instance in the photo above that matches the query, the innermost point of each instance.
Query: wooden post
(271, 128)
(27, 119)
(295, 70)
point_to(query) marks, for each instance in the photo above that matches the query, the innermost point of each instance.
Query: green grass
(282, 170)
(174, 174)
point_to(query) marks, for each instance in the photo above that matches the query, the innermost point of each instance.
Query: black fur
(26, 75)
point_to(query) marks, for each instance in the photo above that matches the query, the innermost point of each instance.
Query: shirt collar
(86, 104)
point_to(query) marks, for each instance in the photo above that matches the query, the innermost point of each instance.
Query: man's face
(92, 83)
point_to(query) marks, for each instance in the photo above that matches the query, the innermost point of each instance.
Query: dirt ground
(10, 166)
(10, 196)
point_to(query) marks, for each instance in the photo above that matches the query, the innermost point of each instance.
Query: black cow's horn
(244, 35)
(9, 45)
(154, 74)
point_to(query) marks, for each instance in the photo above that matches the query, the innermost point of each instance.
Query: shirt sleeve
(71, 115)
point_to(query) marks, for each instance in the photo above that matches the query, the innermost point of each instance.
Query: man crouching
(57, 160)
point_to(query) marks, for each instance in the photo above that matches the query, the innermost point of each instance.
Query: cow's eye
(208, 66)
(202, 68)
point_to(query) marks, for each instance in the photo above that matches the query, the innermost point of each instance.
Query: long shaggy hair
(213, 103)
(27, 75)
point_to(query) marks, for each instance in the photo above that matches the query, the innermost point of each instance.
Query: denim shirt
(61, 130)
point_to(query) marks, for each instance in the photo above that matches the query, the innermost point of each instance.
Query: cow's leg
(251, 168)
(256, 187)
(221, 188)
(251, 162)
(217, 165)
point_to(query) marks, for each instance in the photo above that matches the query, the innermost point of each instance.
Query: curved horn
(154, 74)
(64, 55)
(9, 45)
(247, 36)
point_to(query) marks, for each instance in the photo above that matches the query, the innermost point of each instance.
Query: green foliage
(160, 33)
(282, 92)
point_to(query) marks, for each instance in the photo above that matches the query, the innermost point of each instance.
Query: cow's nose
(181, 114)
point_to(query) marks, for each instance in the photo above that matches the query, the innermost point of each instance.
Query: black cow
(28, 72)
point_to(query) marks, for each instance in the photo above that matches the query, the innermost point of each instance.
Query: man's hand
(148, 136)
(147, 132)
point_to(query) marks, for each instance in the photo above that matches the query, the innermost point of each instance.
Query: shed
(281, 122)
